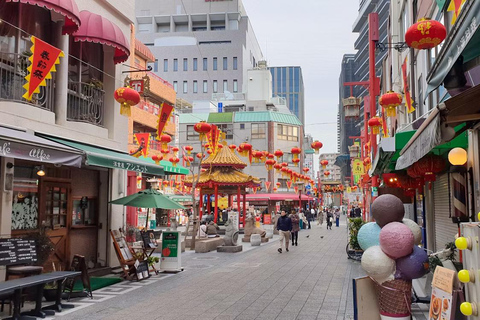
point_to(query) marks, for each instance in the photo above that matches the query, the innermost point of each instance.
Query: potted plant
(354, 251)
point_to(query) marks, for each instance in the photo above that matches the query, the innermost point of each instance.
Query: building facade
(335, 172)
(202, 47)
(287, 82)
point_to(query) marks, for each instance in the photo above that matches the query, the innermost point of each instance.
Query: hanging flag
(289, 184)
(42, 62)
(163, 117)
(143, 140)
(406, 89)
(254, 190)
(213, 137)
(456, 7)
(267, 185)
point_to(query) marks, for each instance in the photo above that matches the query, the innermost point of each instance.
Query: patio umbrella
(148, 198)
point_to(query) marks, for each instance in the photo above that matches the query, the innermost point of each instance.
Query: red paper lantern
(306, 170)
(127, 97)
(390, 101)
(324, 163)
(175, 150)
(375, 124)
(209, 151)
(270, 156)
(278, 154)
(220, 146)
(190, 159)
(277, 166)
(157, 159)
(284, 171)
(367, 162)
(270, 163)
(164, 151)
(428, 167)
(139, 178)
(296, 151)
(278, 184)
(189, 149)
(165, 139)
(232, 147)
(316, 145)
(425, 34)
(326, 173)
(202, 128)
(275, 189)
(257, 155)
(296, 161)
(199, 155)
(174, 160)
(284, 164)
(410, 193)
(245, 149)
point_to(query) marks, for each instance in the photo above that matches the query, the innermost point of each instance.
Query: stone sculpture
(231, 233)
(251, 229)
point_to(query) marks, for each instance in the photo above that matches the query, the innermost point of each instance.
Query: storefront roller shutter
(445, 229)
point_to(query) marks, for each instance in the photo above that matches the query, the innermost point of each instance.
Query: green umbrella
(148, 198)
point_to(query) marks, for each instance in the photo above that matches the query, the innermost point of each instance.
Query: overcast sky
(312, 34)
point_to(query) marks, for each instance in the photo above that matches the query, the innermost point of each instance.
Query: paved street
(312, 281)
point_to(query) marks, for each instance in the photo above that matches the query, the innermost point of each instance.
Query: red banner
(213, 137)
(143, 140)
(163, 116)
(42, 62)
(296, 189)
(406, 89)
(267, 185)
(289, 184)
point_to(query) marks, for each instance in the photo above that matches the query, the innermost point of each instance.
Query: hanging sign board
(171, 252)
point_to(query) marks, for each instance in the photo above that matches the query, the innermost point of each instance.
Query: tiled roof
(223, 117)
(192, 117)
(223, 176)
(267, 116)
(224, 157)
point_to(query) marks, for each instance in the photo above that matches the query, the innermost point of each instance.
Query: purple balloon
(413, 266)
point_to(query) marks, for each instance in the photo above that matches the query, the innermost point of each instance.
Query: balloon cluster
(391, 243)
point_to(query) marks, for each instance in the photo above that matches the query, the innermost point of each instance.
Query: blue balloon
(413, 266)
(369, 235)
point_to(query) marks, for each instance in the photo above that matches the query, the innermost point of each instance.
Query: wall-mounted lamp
(457, 158)
(9, 165)
(40, 170)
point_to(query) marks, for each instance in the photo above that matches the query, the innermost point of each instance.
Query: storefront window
(25, 199)
(84, 212)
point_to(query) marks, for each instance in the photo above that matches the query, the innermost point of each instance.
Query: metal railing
(13, 69)
(85, 103)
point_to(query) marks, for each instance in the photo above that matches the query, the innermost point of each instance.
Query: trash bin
(153, 224)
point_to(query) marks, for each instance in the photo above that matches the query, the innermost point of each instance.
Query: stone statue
(251, 229)
(231, 233)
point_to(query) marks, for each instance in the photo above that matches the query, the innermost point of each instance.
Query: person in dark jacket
(284, 227)
(309, 217)
(295, 227)
(329, 219)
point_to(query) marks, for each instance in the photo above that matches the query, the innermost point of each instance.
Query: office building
(287, 82)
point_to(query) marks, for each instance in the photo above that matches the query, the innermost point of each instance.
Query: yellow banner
(358, 168)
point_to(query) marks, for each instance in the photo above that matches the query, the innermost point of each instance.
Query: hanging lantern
(326, 173)
(375, 124)
(316, 145)
(232, 147)
(278, 154)
(157, 159)
(199, 155)
(127, 97)
(306, 170)
(351, 105)
(202, 128)
(220, 146)
(190, 159)
(175, 150)
(165, 139)
(324, 163)
(164, 151)
(275, 189)
(284, 164)
(296, 151)
(165, 183)
(296, 161)
(429, 166)
(174, 160)
(257, 155)
(277, 167)
(278, 184)
(366, 148)
(425, 34)
(367, 162)
(270, 156)
(390, 101)
(245, 149)
(284, 171)
(209, 151)
(189, 149)
(270, 163)
(410, 193)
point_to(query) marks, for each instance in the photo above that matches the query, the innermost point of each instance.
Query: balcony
(85, 103)
(13, 69)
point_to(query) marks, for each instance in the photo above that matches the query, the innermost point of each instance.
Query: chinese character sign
(143, 139)
(42, 63)
(163, 117)
(358, 167)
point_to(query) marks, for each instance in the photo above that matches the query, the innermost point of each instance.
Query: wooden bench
(204, 245)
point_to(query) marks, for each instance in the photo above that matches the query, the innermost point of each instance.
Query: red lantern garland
(390, 101)
(296, 161)
(277, 167)
(425, 34)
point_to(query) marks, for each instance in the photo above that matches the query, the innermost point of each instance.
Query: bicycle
(353, 249)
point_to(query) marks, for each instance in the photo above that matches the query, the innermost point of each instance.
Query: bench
(209, 244)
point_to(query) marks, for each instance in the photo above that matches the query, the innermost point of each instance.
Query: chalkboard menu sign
(17, 251)
(142, 270)
(78, 264)
(149, 240)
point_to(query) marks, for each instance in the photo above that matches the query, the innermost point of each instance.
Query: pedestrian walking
(309, 217)
(302, 219)
(320, 217)
(284, 227)
(295, 227)
(337, 217)
(329, 219)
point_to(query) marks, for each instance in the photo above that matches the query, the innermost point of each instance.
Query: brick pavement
(312, 281)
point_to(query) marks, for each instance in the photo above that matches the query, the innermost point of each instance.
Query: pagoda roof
(224, 157)
(223, 176)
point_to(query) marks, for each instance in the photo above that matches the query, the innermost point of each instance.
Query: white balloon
(377, 264)
(415, 228)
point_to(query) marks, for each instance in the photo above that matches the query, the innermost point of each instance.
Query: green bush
(354, 225)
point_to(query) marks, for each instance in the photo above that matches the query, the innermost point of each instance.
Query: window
(258, 131)
(84, 211)
(175, 85)
(227, 129)
(191, 133)
(195, 64)
(242, 126)
(235, 85)
(235, 63)
(185, 64)
(165, 65)
(205, 86)
(185, 86)
(205, 64)
(195, 86)
(225, 63)
(155, 66)
(215, 64)
(175, 64)
(283, 183)
(225, 85)
(289, 133)
(215, 86)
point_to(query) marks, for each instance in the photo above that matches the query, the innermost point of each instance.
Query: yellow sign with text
(358, 168)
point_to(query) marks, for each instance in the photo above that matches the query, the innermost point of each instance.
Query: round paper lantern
(326, 173)
(367, 162)
(165, 139)
(416, 231)
(369, 235)
(232, 147)
(277, 167)
(377, 264)
(396, 240)
(413, 266)
(425, 34)
(127, 97)
(174, 161)
(375, 124)
(189, 149)
(387, 208)
(270, 156)
(244, 149)
(316, 145)
(199, 155)
(296, 151)
(270, 163)
(306, 170)
(428, 167)
(202, 128)
(390, 101)
(157, 159)
(324, 163)
(296, 161)
(278, 154)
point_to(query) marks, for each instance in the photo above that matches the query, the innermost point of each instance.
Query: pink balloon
(396, 240)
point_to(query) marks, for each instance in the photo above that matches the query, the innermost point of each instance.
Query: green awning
(107, 158)
(168, 167)
(179, 198)
(222, 117)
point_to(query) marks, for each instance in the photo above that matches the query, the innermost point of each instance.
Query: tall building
(287, 82)
(335, 174)
(202, 47)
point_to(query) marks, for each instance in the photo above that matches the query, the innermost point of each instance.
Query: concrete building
(287, 82)
(335, 172)
(202, 47)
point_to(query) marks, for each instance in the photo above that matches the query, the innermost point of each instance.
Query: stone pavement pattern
(312, 281)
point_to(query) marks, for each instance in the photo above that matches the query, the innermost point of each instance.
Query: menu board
(442, 295)
(17, 251)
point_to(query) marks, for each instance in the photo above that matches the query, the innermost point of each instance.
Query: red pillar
(299, 198)
(244, 208)
(216, 204)
(230, 201)
(208, 204)
(200, 205)
(238, 205)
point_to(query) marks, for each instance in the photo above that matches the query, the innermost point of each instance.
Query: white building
(335, 172)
